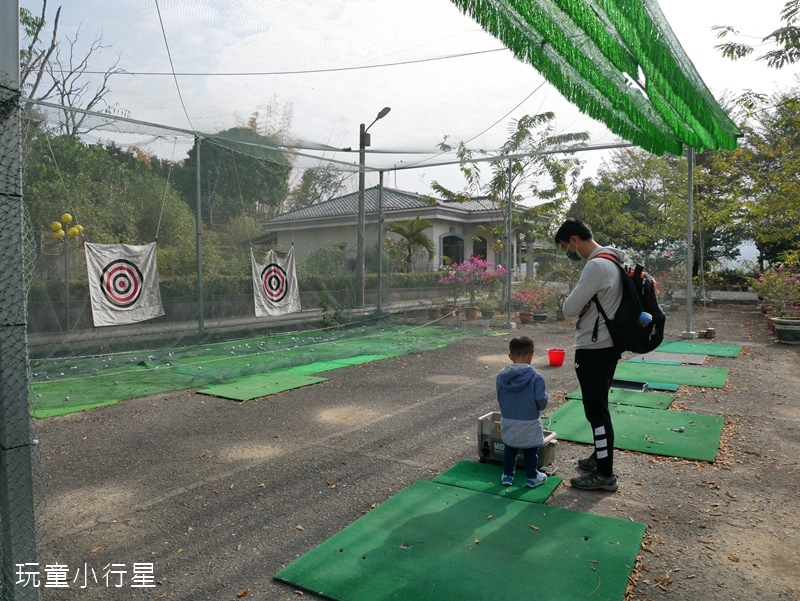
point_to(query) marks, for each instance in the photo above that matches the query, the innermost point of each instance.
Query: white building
(460, 229)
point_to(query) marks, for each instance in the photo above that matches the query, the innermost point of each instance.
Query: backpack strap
(616, 261)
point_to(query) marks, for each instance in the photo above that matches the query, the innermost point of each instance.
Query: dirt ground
(219, 495)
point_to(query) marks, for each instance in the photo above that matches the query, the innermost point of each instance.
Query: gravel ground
(219, 495)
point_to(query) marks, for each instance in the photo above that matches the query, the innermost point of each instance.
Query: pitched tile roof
(393, 200)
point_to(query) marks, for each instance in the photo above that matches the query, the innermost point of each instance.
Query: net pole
(199, 227)
(380, 241)
(509, 323)
(17, 508)
(688, 333)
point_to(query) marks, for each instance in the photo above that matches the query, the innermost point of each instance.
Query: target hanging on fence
(274, 283)
(123, 283)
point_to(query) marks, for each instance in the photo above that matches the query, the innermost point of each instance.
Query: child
(521, 394)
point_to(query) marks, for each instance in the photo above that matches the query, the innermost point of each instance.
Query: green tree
(769, 164)
(414, 237)
(639, 204)
(785, 42)
(537, 173)
(241, 173)
(786, 38)
(316, 185)
(114, 201)
(630, 204)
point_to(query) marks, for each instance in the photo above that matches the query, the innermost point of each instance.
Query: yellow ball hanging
(59, 234)
(72, 232)
(55, 226)
(80, 228)
(66, 218)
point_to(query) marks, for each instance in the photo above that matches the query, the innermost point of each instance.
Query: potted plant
(488, 303)
(534, 301)
(779, 286)
(470, 277)
(434, 312)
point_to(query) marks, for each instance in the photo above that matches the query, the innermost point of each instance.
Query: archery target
(274, 282)
(121, 283)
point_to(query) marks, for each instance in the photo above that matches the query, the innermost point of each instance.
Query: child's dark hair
(520, 346)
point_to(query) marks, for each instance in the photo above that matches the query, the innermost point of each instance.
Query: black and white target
(122, 283)
(275, 282)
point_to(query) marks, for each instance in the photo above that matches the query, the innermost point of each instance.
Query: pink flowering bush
(532, 296)
(779, 286)
(670, 281)
(473, 275)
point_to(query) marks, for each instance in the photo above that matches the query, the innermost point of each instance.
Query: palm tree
(413, 235)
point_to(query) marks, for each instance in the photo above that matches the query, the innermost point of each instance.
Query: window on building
(453, 249)
(479, 247)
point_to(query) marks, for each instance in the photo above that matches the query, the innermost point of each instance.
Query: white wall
(307, 240)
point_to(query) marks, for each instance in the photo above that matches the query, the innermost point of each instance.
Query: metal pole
(66, 281)
(199, 240)
(509, 323)
(688, 333)
(17, 503)
(380, 241)
(362, 144)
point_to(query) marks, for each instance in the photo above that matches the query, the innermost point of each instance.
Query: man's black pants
(595, 370)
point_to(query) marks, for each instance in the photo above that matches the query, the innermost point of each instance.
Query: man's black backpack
(639, 293)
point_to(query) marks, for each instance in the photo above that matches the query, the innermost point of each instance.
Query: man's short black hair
(573, 227)
(520, 346)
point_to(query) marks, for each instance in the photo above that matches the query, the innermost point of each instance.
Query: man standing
(595, 355)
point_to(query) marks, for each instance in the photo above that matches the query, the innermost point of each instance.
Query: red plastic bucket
(556, 356)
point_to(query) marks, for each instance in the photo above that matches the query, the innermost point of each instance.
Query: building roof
(397, 205)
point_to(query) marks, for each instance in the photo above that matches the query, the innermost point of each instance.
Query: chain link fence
(20, 501)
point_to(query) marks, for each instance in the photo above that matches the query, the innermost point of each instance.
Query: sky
(336, 63)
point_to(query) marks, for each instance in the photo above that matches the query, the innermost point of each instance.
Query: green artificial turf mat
(264, 385)
(444, 543)
(654, 361)
(485, 477)
(659, 357)
(652, 431)
(320, 366)
(654, 400)
(707, 348)
(708, 377)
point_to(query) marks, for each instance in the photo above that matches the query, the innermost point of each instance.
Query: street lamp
(363, 142)
(72, 231)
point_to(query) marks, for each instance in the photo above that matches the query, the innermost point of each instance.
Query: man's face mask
(573, 254)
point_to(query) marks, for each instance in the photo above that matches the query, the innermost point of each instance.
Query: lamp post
(363, 142)
(59, 233)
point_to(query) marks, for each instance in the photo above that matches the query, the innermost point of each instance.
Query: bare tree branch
(63, 74)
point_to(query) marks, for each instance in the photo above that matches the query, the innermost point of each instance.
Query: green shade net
(653, 431)
(619, 62)
(442, 543)
(60, 386)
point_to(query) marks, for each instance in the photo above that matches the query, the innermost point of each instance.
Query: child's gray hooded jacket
(521, 394)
